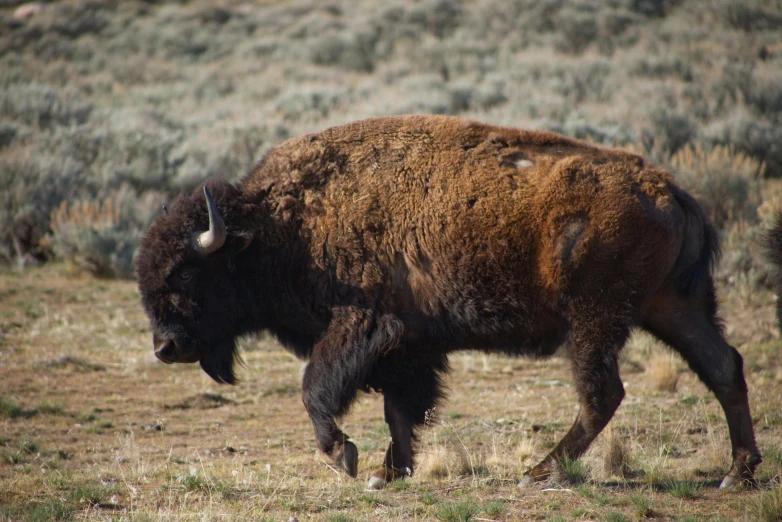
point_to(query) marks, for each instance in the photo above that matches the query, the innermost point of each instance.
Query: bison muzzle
(375, 249)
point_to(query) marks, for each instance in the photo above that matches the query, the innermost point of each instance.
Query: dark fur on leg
(340, 364)
(412, 387)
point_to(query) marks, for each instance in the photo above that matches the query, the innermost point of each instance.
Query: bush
(31, 188)
(101, 236)
(669, 129)
(765, 93)
(578, 30)
(726, 182)
(745, 16)
(96, 96)
(8, 134)
(44, 106)
(137, 150)
(746, 134)
(744, 263)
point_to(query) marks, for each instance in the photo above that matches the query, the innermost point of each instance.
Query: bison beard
(375, 249)
(218, 362)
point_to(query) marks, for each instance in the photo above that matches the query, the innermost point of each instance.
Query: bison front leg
(411, 387)
(339, 366)
(325, 402)
(595, 349)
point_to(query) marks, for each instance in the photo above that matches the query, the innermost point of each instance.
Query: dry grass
(140, 440)
(144, 441)
(88, 213)
(663, 373)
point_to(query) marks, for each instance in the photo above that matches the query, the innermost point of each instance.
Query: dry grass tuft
(663, 373)
(714, 453)
(616, 460)
(609, 456)
(445, 455)
(442, 462)
(433, 463)
(525, 451)
(105, 213)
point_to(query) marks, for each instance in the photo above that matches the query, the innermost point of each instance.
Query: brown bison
(375, 249)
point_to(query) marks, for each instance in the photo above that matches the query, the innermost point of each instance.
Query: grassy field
(92, 426)
(108, 109)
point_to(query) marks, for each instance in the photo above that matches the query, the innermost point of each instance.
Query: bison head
(188, 280)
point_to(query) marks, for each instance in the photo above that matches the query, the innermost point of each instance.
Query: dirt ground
(93, 427)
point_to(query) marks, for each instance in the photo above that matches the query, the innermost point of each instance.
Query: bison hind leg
(687, 323)
(597, 335)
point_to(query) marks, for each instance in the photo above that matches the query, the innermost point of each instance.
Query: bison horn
(211, 240)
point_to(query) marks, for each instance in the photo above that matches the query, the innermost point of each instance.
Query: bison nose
(168, 351)
(165, 350)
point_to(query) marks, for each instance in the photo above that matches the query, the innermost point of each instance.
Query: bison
(375, 249)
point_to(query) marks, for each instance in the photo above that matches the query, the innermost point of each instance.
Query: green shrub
(494, 508)
(461, 511)
(576, 470)
(744, 262)
(51, 510)
(578, 29)
(641, 505)
(137, 150)
(44, 106)
(748, 16)
(749, 135)
(683, 489)
(31, 188)
(768, 506)
(9, 408)
(670, 130)
(727, 182)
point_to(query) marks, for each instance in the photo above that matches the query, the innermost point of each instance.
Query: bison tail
(700, 249)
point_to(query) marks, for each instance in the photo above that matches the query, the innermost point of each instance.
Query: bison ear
(238, 242)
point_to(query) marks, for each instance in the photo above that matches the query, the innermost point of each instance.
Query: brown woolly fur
(375, 249)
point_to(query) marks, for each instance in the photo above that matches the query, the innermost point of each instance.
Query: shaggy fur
(376, 248)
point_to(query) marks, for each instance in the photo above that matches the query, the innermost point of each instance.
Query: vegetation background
(108, 109)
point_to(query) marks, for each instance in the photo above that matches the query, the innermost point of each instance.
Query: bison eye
(186, 276)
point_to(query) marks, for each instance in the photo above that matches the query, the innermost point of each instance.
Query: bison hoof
(549, 471)
(349, 459)
(741, 474)
(385, 474)
(376, 483)
(729, 481)
(732, 481)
